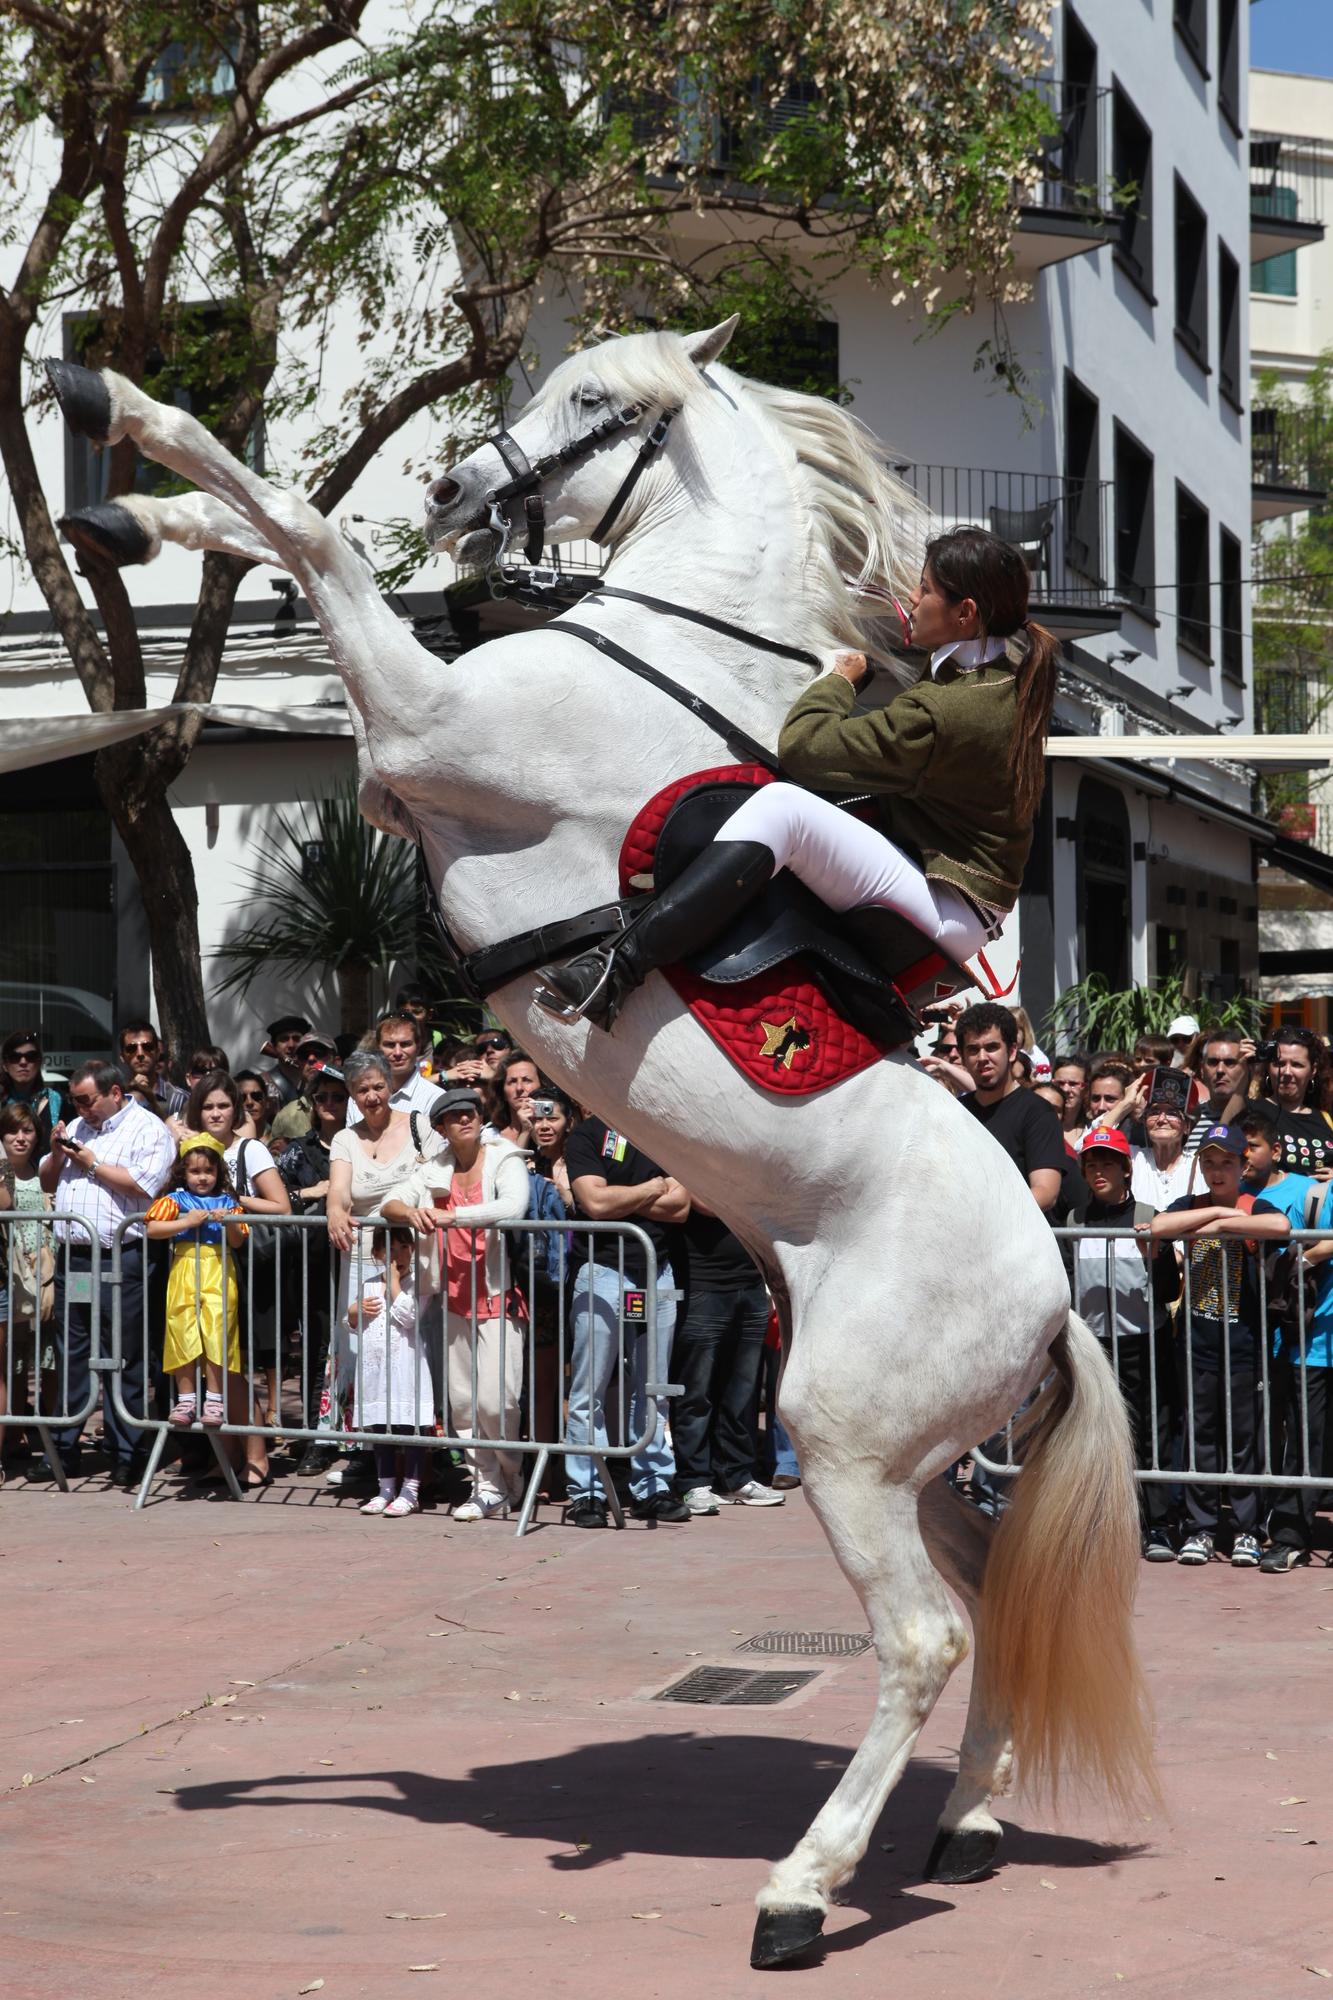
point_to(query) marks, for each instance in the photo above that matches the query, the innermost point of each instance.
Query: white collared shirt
(967, 653)
(133, 1139)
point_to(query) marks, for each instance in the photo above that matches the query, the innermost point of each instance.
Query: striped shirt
(133, 1139)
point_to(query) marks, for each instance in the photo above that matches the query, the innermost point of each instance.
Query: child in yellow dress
(202, 1305)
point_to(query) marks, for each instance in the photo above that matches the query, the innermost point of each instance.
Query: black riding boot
(689, 913)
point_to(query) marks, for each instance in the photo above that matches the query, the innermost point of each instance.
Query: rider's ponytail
(971, 562)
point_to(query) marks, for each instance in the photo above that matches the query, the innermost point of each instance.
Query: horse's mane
(866, 527)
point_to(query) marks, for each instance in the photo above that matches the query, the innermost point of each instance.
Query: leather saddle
(873, 966)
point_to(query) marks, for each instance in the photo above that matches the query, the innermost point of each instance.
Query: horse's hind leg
(919, 1639)
(958, 1538)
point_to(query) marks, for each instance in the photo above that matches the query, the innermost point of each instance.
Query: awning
(1297, 857)
(1296, 752)
(29, 740)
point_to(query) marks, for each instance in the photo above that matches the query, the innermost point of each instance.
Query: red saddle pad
(779, 1028)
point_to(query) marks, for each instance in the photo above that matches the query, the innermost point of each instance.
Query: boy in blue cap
(1217, 1230)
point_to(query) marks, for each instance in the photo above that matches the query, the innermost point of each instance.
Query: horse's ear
(706, 346)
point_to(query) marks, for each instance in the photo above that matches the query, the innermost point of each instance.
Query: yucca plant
(1093, 1015)
(358, 911)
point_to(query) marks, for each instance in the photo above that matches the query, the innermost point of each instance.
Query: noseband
(526, 478)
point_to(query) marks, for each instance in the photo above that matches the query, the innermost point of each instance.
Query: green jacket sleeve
(824, 745)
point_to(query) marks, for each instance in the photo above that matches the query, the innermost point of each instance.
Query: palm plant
(355, 907)
(1093, 1015)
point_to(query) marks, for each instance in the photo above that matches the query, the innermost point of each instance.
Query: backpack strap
(412, 1118)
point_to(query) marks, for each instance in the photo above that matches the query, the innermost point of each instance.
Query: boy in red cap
(1220, 1323)
(1122, 1288)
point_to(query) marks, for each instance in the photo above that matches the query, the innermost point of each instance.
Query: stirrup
(552, 1000)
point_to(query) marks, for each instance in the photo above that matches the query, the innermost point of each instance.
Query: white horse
(921, 1292)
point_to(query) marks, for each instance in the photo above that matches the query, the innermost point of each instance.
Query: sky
(1292, 34)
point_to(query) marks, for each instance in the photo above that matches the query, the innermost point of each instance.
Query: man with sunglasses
(314, 1054)
(112, 1161)
(142, 1057)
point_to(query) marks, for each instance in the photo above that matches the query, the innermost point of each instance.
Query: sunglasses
(338, 1097)
(253, 1096)
(83, 1103)
(489, 1043)
(26, 1055)
(137, 1048)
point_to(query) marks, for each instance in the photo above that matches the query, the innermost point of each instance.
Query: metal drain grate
(735, 1687)
(824, 1645)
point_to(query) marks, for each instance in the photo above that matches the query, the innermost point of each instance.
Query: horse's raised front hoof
(107, 530)
(964, 1856)
(84, 399)
(782, 1935)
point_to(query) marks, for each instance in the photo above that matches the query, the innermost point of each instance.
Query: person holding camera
(1296, 1084)
(111, 1162)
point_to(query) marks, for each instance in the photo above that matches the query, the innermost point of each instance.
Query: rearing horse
(921, 1292)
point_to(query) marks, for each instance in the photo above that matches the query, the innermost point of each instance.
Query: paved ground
(249, 1748)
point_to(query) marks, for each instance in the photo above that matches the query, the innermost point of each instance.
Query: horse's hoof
(107, 530)
(84, 399)
(964, 1856)
(781, 1935)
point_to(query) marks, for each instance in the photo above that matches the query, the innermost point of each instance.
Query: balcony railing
(1286, 197)
(1289, 455)
(1060, 526)
(1074, 159)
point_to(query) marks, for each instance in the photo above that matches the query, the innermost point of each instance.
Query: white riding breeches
(849, 865)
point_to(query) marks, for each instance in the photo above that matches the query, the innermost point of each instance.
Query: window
(1078, 160)
(1192, 27)
(1231, 606)
(1083, 541)
(1135, 525)
(1275, 276)
(1191, 274)
(1228, 324)
(189, 75)
(1131, 169)
(1192, 587)
(799, 353)
(1228, 61)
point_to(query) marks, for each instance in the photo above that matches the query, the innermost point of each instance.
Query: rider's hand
(851, 666)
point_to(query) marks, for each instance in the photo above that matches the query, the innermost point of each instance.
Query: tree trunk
(161, 860)
(354, 997)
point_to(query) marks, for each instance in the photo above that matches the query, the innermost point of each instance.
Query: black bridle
(526, 478)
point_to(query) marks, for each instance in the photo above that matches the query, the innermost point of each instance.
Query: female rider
(956, 764)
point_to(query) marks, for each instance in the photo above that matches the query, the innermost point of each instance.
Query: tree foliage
(434, 176)
(1293, 592)
(1094, 1015)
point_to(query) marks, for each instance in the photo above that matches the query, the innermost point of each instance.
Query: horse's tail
(1055, 1636)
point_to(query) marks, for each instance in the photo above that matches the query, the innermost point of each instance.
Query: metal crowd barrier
(48, 1271)
(1114, 1294)
(378, 1386)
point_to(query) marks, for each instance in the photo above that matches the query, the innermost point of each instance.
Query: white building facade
(1130, 494)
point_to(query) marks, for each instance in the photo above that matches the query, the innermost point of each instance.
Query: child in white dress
(392, 1391)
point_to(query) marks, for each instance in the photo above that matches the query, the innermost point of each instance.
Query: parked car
(74, 1024)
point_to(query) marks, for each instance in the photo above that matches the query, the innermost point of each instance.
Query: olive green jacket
(938, 757)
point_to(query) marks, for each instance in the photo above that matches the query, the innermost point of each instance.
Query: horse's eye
(590, 396)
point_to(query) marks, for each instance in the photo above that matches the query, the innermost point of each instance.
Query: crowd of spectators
(430, 1324)
(1204, 1149)
(1186, 1160)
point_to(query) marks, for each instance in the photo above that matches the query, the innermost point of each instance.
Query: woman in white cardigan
(471, 1185)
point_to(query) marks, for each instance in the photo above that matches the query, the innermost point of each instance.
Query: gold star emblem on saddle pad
(781, 1041)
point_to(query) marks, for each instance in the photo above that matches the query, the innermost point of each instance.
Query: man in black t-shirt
(1026, 1126)
(718, 1355)
(612, 1181)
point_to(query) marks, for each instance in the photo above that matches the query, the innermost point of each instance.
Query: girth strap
(741, 745)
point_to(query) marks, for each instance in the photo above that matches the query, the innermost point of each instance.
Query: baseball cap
(458, 1099)
(1184, 1024)
(324, 1043)
(1229, 1137)
(1106, 1139)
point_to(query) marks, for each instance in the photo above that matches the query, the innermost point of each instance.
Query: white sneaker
(482, 1507)
(753, 1494)
(379, 1505)
(702, 1500)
